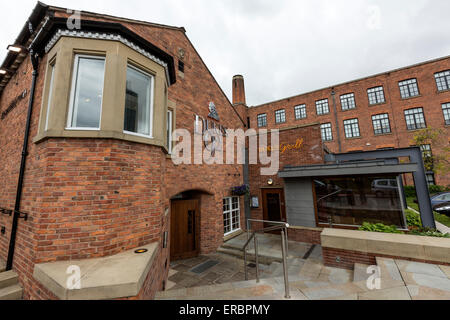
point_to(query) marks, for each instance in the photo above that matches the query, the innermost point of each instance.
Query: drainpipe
(17, 214)
(333, 95)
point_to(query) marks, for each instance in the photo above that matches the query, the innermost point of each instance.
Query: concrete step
(8, 279)
(11, 293)
(250, 256)
(389, 270)
(360, 272)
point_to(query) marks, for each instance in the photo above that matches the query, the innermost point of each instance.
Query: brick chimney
(239, 91)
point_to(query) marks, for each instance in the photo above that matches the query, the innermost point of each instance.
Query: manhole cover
(204, 266)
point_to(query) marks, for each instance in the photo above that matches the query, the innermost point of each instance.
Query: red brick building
(377, 112)
(97, 192)
(98, 98)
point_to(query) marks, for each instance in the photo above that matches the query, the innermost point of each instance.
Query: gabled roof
(41, 26)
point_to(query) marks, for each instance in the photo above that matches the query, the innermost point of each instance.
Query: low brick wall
(344, 248)
(306, 235)
(346, 259)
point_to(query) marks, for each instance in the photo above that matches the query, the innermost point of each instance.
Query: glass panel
(169, 130)
(88, 92)
(50, 92)
(355, 200)
(137, 103)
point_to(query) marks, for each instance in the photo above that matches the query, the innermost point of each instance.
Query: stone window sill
(377, 104)
(114, 277)
(409, 98)
(233, 235)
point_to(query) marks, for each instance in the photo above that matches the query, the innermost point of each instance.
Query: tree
(438, 162)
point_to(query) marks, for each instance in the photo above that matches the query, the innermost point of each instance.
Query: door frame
(196, 252)
(280, 191)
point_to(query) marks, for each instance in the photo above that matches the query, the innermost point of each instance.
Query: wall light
(270, 182)
(17, 48)
(4, 71)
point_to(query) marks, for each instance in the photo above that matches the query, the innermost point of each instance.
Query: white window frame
(72, 92)
(50, 93)
(230, 213)
(151, 97)
(170, 130)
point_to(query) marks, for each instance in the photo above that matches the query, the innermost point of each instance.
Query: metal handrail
(284, 249)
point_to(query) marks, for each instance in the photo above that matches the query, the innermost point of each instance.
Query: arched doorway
(185, 225)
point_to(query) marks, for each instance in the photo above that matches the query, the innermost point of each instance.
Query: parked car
(440, 198)
(443, 208)
(384, 186)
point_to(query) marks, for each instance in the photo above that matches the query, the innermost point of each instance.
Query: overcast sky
(282, 47)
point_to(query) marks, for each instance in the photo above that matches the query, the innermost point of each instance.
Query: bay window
(87, 92)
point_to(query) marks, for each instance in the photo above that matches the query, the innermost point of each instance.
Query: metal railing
(284, 248)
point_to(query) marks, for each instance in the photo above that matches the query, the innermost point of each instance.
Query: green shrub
(379, 227)
(410, 192)
(437, 189)
(416, 228)
(426, 232)
(413, 219)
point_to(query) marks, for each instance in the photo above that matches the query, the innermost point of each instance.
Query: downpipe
(17, 214)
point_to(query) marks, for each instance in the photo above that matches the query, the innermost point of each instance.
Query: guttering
(17, 215)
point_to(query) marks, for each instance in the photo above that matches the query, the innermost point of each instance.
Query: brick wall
(346, 259)
(310, 152)
(305, 235)
(90, 197)
(430, 100)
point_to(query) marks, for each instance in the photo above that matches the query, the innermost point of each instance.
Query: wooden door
(184, 229)
(273, 205)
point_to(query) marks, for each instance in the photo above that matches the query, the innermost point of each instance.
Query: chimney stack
(238, 91)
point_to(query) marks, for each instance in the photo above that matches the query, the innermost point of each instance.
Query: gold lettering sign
(286, 147)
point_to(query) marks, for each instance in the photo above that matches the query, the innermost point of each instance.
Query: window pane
(446, 111)
(409, 88)
(280, 116)
(88, 92)
(348, 101)
(351, 128)
(300, 112)
(327, 133)
(381, 124)
(262, 120)
(169, 130)
(50, 92)
(354, 200)
(443, 80)
(322, 107)
(138, 102)
(376, 95)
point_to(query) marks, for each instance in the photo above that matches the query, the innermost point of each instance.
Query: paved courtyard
(220, 276)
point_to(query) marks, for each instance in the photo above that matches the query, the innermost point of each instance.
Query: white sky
(282, 47)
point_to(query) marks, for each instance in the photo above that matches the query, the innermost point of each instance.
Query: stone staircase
(311, 280)
(9, 284)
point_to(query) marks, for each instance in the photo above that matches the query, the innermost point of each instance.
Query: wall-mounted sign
(213, 112)
(14, 103)
(254, 203)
